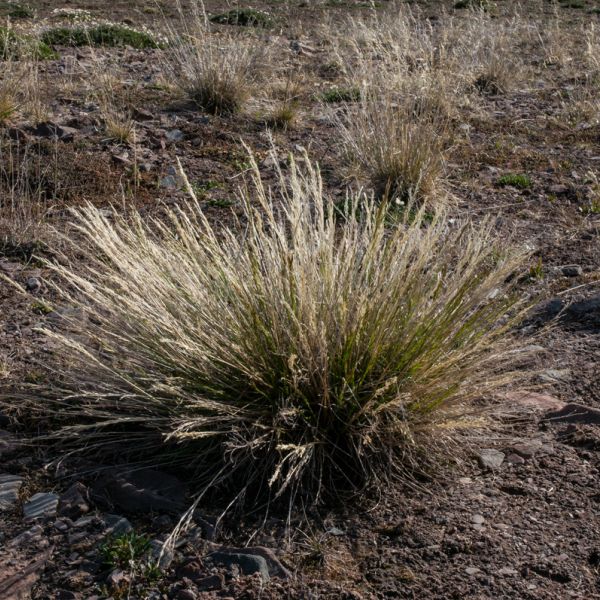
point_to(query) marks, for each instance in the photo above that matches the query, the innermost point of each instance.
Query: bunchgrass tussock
(287, 354)
(217, 72)
(397, 147)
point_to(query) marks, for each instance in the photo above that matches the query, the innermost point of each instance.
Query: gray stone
(276, 568)
(478, 519)
(9, 490)
(572, 271)
(515, 459)
(175, 135)
(74, 502)
(168, 182)
(248, 564)
(33, 284)
(116, 525)
(489, 458)
(472, 570)
(48, 129)
(161, 555)
(42, 504)
(507, 571)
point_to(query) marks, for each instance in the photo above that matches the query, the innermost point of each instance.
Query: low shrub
(341, 94)
(105, 34)
(286, 354)
(245, 17)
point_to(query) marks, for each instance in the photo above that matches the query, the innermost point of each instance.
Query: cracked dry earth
(519, 518)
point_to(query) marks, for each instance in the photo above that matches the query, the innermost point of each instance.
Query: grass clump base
(286, 354)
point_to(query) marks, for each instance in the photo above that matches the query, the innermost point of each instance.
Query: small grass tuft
(341, 94)
(244, 17)
(518, 180)
(122, 551)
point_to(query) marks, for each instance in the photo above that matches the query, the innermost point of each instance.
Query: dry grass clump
(397, 145)
(23, 207)
(285, 354)
(216, 71)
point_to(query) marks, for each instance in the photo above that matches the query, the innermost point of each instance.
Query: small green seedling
(123, 550)
(519, 181)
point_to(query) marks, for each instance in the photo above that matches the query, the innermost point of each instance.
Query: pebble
(490, 458)
(572, 271)
(478, 519)
(515, 459)
(472, 570)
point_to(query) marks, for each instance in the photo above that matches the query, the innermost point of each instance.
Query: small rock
(572, 271)
(175, 135)
(527, 449)
(533, 400)
(247, 564)
(117, 579)
(141, 114)
(168, 182)
(48, 129)
(275, 568)
(74, 502)
(210, 584)
(116, 525)
(490, 458)
(186, 595)
(507, 571)
(9, 490)
(42, 504)
(515, 459)
(193, 570)
(472, 570)
(161, 555)
(33, 284)
(478, 519)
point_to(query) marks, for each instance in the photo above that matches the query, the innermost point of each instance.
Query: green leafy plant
(245, 17)
(124, 550)
(16, 10)
(105, 34)
(341, 94)
(286, 354)
(520, 181)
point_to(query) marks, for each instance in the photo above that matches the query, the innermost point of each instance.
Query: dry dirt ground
(523, 524)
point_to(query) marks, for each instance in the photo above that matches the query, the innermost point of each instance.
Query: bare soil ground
(528, 528)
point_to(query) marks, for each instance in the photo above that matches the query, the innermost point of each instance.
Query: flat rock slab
(274, 566)
(575, 413)
(488, 458)
(9, 490)
(42, 504)
(535, 401)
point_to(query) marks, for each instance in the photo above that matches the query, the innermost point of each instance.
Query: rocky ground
(519, 519)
